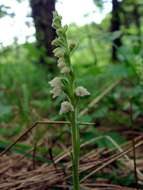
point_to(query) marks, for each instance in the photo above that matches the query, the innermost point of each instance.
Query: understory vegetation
(113, 112)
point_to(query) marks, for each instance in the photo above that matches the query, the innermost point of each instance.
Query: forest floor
(18, 172)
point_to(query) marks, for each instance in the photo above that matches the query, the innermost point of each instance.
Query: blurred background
(108, 61)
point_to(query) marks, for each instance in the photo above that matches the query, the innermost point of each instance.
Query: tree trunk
(42, 15)
(115, 26)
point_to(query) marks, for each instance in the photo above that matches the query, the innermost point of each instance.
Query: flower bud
(72, 45)
(56, 42)
(56, 20)
(61, 31)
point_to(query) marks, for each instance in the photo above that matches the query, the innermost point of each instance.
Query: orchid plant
(66, 84)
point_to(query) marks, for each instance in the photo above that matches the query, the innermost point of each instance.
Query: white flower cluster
(62, 52)
(62, 66)
(57, 87)
(66, 107)
(81, 91)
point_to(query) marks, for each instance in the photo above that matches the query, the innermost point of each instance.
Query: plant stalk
(75, 150)
(75, 135)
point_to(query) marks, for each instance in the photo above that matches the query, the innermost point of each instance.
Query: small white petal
(61, 63)
(65, 70)
(81, 91)
(56, 82)
(57, 87)
(59, 52)
(66, 107)
(56, 92)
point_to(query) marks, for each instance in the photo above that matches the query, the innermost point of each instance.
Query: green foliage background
(25, 93)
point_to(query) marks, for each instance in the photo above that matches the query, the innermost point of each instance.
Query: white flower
(57, 87)
(65, 70)
(62, 66)
(61, 63)
(56, 92)
(56, 82)
(59, 52)
(81, 91)
(66, 107)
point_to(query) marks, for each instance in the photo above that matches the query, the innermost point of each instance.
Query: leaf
(101, 112)
(106, 143)
(5, 110)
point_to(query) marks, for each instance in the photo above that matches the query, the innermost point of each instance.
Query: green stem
(75, 130)
(75, 150)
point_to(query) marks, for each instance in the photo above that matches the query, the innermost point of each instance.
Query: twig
(113, 156)
(34, 125)
(135, 164)
(112, 160)
(34, 155)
